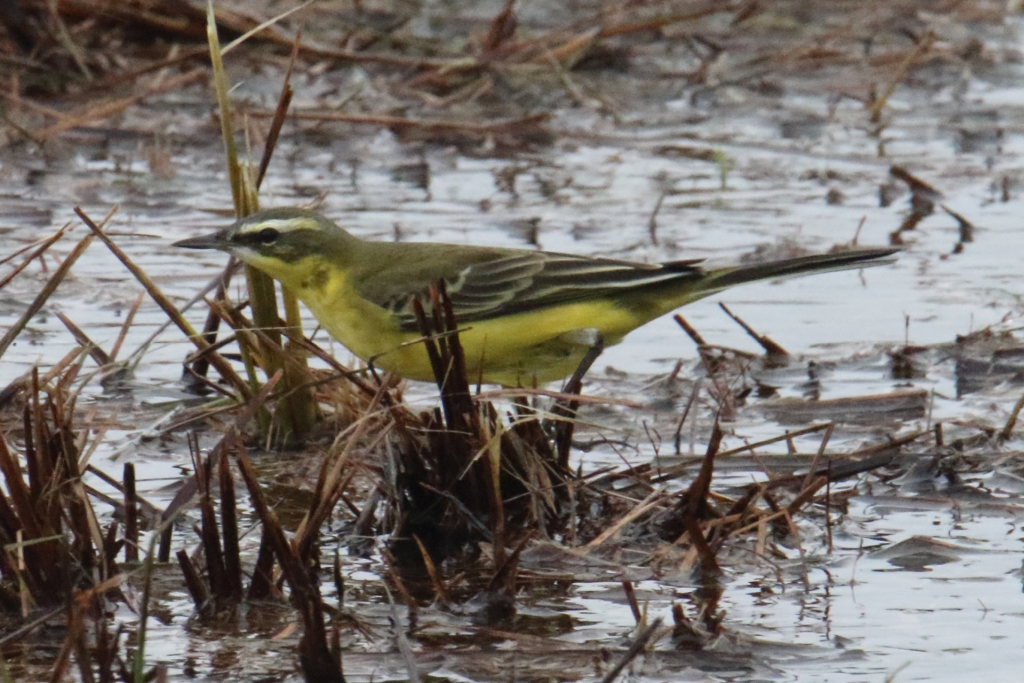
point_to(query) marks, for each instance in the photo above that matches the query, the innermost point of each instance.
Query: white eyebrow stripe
(279, 224)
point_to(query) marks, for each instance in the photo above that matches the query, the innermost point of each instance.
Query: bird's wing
(524, 281)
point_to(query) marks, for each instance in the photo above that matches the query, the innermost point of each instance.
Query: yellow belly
(515, 350)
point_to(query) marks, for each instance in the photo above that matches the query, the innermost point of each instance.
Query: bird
(525, 316)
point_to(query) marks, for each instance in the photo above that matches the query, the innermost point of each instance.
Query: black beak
(218, 240)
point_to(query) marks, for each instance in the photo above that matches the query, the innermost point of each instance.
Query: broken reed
(56, 558)
(462, 473)
(52, 540)
(592, 42)
(214, 575)
(296, 411)
(220, 586)
(463, 476)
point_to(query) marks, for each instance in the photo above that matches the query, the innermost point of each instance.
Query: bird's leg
(567, 409)
(594, 341)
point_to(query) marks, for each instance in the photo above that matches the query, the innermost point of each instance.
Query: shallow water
(926, 577)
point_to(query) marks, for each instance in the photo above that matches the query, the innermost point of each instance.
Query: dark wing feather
(527, 281)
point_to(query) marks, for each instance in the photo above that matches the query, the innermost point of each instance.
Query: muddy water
(925, 573)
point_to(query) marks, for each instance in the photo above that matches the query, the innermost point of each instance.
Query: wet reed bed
(448, 494)
(63, 564)
(75, 63)
(446, 502)
(451, 503)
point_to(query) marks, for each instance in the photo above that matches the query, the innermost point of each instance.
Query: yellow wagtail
(524, 315)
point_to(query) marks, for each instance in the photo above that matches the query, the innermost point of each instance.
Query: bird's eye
(267, 236)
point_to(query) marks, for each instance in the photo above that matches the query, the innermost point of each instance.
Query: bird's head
(285, 242)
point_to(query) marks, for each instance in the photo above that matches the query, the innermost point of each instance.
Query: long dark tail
(724, 278)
